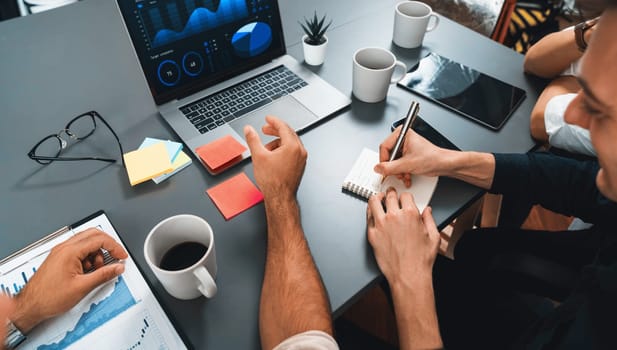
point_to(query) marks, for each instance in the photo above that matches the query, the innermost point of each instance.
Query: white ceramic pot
(314, 54)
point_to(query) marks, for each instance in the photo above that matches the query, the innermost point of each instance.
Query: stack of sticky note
(155, 160)
(221, 153)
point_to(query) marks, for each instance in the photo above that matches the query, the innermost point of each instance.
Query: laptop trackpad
(286, 108)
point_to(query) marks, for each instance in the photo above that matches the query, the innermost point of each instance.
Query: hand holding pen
(412, 114)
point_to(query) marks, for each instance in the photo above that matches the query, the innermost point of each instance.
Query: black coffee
(182, 256)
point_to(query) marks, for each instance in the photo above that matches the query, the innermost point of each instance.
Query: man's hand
(60, 283)
(405, 245)
(279, 165)
(6, 310)
(419, 156)
(405, 242)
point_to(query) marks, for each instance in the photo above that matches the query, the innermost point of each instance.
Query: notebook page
(364, 181)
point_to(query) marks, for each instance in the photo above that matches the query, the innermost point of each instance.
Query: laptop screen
(187, 45)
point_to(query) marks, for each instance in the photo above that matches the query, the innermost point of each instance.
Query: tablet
(472, 94)
(425, 130)
(121, 314)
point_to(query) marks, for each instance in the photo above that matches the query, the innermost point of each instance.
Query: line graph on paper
(120, 314)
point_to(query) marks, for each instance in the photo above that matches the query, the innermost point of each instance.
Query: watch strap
(579, 32)
(14, 337)
(579, 36)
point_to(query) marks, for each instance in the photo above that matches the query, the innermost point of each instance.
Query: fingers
(87, 265)
(92, 240)
(431, 228)
(274, 144)
(394, 167)
(407, 180)
(443, 246)
(94, 279)
(375, 209)
(253, 140)
(387, 145)
(370, 221)
(392, 202)
(269, 130)
(277, 127)
(274, 127)
(407, 201)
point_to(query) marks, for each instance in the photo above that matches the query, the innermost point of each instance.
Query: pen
(409, 120)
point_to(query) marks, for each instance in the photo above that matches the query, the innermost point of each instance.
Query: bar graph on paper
(13, 288)
(120, 314)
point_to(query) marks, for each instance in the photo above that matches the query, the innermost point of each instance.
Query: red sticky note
(235, 195)
(218, 153)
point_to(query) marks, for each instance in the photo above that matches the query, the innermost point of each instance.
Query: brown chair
(489, 18)
(503, 21)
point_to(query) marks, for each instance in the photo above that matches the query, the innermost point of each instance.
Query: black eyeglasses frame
(45, 160)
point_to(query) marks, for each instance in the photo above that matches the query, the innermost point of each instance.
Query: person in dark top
(406, 242)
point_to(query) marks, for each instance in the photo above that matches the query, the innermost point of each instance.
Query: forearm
(552, 55)
(416, 317)
(564, 185)
(474, 168)
(293, 298)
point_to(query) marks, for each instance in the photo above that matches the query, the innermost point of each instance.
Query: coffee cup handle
(207, 287)
(397, 79)
(436, 18)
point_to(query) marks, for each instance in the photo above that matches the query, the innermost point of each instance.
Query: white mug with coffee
(411, 22)
(373, 70)
(180, 252)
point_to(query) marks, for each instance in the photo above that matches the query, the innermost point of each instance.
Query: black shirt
(587, 319)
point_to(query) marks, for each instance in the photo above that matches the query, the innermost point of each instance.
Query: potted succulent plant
(314, 40)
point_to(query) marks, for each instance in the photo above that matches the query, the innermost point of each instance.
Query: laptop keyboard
(224, 106)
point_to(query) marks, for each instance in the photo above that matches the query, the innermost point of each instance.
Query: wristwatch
(579, 33)
(14, 336)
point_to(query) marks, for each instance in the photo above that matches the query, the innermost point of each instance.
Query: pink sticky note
(235, 195)
(219, 153)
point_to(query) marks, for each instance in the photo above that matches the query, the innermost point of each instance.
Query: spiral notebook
(363, 181)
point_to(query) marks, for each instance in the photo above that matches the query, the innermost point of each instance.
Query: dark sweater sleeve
(563, 185)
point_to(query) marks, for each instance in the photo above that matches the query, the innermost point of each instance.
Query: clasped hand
(405, 242)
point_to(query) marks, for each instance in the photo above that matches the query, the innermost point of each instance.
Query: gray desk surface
(57, 64)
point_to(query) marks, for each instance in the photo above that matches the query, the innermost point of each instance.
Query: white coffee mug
(194, 280)
(373, 70)
(411, 22)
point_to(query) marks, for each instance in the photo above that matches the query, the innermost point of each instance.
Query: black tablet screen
(475, 95)
(428, 132)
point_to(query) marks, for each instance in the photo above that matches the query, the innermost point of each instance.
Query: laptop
(214, 66)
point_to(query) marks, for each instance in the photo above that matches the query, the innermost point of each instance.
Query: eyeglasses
(78, 129)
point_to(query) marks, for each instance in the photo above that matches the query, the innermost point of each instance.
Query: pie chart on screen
(252, 39)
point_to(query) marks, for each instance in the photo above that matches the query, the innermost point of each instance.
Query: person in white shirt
(556, 57)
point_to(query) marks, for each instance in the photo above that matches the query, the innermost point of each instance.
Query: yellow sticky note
(181, 162)
(147, 163)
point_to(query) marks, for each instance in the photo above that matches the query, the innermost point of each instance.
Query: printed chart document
(121, 314)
